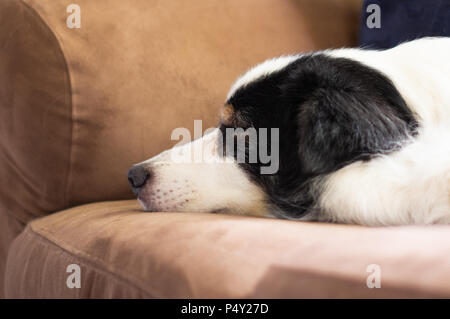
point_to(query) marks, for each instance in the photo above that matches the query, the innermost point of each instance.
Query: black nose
(138, 176)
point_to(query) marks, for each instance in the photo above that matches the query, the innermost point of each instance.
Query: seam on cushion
(88, 259)
(70, 100)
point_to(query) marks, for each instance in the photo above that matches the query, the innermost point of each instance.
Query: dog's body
(364, 137)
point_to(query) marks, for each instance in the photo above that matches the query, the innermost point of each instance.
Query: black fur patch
(330, 113)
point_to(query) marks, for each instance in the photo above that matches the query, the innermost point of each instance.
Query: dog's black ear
(349, 118)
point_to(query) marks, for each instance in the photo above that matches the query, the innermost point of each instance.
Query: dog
(363, 138)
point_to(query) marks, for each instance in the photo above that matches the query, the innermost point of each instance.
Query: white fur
(261, 70)
(411, 186)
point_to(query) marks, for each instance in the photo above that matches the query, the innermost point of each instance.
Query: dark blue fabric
(404, 20)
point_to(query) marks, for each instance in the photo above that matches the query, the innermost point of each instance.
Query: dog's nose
(138, 176)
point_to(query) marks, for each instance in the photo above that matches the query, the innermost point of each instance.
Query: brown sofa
(79, 106)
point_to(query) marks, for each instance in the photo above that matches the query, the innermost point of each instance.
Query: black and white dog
(364, 137)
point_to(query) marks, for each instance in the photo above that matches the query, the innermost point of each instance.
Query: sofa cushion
(123, 252)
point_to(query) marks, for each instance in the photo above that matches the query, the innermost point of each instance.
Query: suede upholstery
(124, 253)
(79, 106)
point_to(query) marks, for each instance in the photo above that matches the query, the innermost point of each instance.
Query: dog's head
(286, 127)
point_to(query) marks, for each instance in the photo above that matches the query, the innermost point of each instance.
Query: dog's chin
(151, 202)
(167, 196)
(150, 206)
(144, 205)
